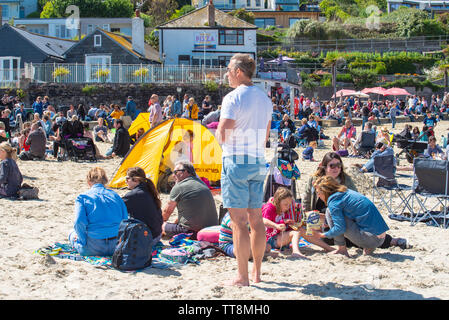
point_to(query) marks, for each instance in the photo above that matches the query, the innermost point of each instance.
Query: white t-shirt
(251, 109)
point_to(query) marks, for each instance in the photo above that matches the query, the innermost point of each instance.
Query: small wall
(66, 94)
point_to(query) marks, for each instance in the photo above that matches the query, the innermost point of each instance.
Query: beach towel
(66, 251)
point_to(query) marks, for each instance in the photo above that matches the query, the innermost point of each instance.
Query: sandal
(48, 251)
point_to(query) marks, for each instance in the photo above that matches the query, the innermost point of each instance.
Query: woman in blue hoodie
(352, 215)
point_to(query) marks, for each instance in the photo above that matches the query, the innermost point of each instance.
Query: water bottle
(443, 141)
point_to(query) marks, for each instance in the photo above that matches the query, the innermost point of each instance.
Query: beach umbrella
(396, 92)
(344, 93)
(377, 90)
(360, 94)
(284, 59)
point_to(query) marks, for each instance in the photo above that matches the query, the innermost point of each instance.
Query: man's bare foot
(255, 277)
(368, 252)
(236, 283)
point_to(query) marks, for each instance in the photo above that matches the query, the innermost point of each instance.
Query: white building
(435, 6)
(237, 4)
(12, 9)
(205, 36)
(64, 28)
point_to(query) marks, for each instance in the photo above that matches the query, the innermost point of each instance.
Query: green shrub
(363, 78)
(344, 77)
(91, 90)
(412, 82)
(211, 86)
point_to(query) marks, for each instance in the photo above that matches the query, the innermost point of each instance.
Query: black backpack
(133, 250)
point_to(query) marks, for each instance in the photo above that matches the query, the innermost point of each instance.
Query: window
(115, 29)
(5, 11)
(94, 64)
(264, 22)
(231, 37)
(258, 3)
(223, 61)
(97, 40)
(9, 69)
(61, 31)
(294, 20)
(184, 60)
(248, 3)
(106, 27)
(90, 28)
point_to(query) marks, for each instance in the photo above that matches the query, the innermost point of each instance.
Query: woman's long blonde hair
(10, 151)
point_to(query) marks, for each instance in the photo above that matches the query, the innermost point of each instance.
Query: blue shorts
(272, 242)
(242, 179)
(229, 249)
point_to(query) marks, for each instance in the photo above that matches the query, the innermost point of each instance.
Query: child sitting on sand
(307, 154)
(275, 220)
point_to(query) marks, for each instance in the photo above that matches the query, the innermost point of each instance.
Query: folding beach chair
(384, 179)
(431, 183)
(367, 144)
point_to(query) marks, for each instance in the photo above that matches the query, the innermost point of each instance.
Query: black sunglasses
(334, 165)
(179, 170)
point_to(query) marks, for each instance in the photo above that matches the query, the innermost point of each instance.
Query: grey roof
(49, 45)
(198, 19)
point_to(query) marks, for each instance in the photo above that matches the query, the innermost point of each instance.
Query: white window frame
(92, 67)
(97, 43)
(10, 74)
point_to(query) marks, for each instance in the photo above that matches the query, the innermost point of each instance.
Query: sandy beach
(417, 273)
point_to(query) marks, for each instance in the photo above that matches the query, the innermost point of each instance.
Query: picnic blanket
(195, 251)
(66, 251)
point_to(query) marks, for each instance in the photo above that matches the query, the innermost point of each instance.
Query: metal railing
(417, 44)
(122, 73)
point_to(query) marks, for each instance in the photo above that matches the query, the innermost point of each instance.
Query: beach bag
(175, 255)
(27, 192)
(343, 153)
(133, 250)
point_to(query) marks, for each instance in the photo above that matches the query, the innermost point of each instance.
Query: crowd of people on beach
(251, 227)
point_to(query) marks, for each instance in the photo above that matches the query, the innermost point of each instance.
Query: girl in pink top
(275, 220)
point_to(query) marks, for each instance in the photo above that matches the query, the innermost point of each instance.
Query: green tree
(243, 15)
(180, 12)
(88, 8)
(118, 8)
(160, 10)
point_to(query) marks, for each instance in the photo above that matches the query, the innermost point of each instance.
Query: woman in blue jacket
(352, 215)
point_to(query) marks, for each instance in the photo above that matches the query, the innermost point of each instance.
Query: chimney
(138, 32)
(211, 14)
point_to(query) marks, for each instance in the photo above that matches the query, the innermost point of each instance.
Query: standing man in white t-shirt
(243, 130)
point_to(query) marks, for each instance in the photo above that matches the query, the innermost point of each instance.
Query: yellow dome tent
(142, 121)
(160, 147)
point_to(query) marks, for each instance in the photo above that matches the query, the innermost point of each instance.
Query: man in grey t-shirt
(193, 200)
(37, 141)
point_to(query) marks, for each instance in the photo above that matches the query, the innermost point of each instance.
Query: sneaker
(403, 243)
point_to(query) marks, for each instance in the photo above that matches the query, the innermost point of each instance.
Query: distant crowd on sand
(337, 216)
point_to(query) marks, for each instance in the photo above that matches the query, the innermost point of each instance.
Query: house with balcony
(13, 9)
(433, 6)
(205, 37)
(63, 28)
(282, 13)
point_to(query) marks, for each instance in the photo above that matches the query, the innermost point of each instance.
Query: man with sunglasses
(193, 200)
(243, 130)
